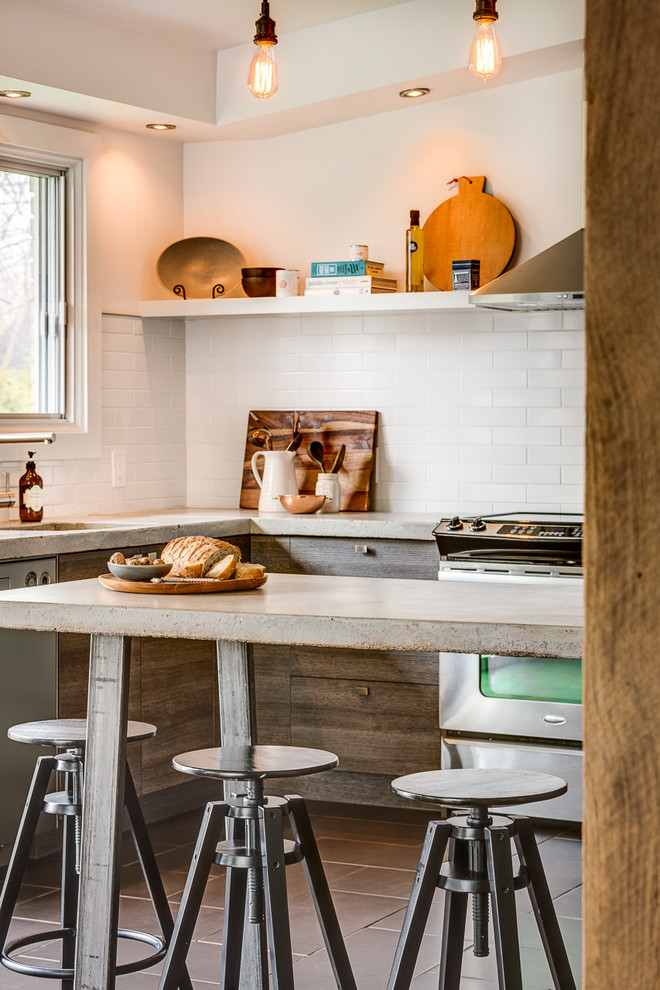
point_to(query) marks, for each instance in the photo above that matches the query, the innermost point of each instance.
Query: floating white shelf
(395, 302)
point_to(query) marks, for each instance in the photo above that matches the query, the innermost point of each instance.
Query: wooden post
(238, 728)
(622, 674)
(105, 767)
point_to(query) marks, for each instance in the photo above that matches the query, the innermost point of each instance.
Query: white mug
(286, 282)
(279, 478)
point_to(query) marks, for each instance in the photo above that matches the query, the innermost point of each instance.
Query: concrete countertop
(133, 529)
(312, 610)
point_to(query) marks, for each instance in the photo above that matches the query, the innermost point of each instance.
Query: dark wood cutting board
(356, 429)
(471, 225)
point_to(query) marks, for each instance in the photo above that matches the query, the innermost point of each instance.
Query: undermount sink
(53, 527)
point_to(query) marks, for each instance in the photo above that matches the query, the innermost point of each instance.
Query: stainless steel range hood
(553, 279)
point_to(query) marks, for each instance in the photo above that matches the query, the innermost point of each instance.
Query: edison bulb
(262, 77)
(485, 56)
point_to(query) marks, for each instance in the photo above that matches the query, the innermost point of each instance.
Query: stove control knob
(477, 525)
(455, 523)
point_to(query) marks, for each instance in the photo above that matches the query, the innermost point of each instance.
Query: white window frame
(79, 434)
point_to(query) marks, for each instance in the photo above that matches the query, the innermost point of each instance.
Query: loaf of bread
(203, 554)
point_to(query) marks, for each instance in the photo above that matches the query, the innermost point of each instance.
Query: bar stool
(70, 734)
(479, 863)
(255, 880)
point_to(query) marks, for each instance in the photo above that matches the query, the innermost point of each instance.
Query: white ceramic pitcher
(279, 478)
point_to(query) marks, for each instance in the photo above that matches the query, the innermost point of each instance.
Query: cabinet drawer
(364, 557)
(365, 665)
(372, 726)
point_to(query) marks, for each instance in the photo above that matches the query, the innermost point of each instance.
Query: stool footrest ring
(17, 944)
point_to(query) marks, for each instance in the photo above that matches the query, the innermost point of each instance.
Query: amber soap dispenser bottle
(31, 493)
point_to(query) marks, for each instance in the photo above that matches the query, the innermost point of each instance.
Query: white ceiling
(215, 24)
(127, 63)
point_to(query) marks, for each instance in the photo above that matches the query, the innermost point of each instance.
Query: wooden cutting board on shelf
(471, 225)
(356, 429)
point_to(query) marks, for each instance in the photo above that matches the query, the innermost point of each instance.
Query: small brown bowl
(259, 281)
(302, 503)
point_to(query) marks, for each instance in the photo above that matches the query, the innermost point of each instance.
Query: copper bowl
(259, 281)
(302, 503)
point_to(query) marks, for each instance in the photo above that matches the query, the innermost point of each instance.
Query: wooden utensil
(469, 225)
(295, 443)
(339, 459)
(315, 451)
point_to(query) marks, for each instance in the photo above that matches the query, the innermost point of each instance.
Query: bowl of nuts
(137, 568)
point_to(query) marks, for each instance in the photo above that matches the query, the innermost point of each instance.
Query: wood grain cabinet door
(377, 711)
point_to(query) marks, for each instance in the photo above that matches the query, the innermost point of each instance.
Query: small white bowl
(138, 572)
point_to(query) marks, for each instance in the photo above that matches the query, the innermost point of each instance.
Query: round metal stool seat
(254, 853)
(470, 856)
(479, 788)
(254, 762)
(69, 732)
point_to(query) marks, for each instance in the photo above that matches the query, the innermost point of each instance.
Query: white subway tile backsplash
(527, 397)
(499, 454)
(479, 411)
(491, 416)
(560, 378)
(530, 436)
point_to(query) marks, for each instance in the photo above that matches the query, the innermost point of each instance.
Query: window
(33, 240)
(50, 330)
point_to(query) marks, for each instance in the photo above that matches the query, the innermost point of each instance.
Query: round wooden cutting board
(192, 587)
(471, 225)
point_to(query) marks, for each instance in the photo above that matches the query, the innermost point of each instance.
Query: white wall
(478, 411)
(307, 196)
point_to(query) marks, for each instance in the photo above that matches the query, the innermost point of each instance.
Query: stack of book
(348, 278)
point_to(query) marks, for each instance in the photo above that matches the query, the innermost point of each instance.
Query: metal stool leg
(503, 895)
(149, 867)
(232, 934)
(419, 905)
(69, 900)
(544, 910)
(277, 908)
(453, 924)
(202, 861)
(320, 891)
(26, 830)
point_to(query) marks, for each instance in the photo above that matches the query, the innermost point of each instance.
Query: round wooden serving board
(180, 588)
(471, 225)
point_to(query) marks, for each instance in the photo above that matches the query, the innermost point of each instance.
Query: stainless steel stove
(534, 545)
(514, 712)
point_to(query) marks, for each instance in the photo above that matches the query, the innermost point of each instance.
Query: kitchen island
(313, 610)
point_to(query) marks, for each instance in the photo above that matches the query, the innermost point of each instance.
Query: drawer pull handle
(555, 719)
(361, 548)
(362, 690)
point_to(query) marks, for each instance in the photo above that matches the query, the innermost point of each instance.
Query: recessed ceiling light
(161, 127)
(412, 94)
(14, 94)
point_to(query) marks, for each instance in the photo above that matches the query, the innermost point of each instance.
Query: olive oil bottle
(414, 255)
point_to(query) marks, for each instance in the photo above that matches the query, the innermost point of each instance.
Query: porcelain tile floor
(370, 857)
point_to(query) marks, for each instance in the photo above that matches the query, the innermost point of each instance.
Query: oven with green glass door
(505, 712)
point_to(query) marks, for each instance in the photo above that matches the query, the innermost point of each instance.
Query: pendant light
(485, 56)
(262, 78)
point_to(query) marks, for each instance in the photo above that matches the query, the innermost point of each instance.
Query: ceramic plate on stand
(200, 267)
